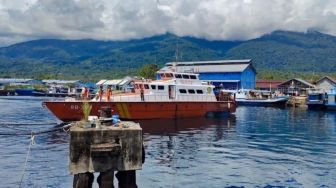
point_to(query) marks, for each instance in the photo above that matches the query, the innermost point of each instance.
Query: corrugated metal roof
(124, 81)
(328, 78)
(112, 82)
(208, 68)
(60, 81)
(101, 82)
(305, 82)
(14, 80)
(299, 80)
(188, 63)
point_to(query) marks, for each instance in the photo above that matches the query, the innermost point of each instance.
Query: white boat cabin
(172, 86)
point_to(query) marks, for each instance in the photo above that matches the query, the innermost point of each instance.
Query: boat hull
(331, 107)
(24, 92)
(265, 103)
(316, 105)
(72, 111)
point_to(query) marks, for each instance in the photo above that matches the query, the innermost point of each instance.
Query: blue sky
(22, 20)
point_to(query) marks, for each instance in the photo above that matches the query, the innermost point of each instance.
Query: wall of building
(220, 76)
(326, 85)
(248, 79)
(223, 76)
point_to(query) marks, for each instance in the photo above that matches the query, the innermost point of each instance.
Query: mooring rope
(46, 123)
(26, 133)
(32, 142)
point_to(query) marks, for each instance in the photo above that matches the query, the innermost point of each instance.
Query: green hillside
(282, 51)
(278, 55)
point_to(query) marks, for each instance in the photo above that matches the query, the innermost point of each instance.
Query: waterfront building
(295, 86)
(61, 82)
(326, 84)
(226, 74)
(271, 85)
(19, 81)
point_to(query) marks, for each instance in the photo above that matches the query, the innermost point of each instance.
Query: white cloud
(125, 19)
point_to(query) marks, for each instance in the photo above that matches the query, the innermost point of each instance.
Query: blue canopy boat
(322, 100)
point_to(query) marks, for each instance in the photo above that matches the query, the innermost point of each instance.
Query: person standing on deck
(108, 93)
(142, 94)
(100, 93)
(85, 93)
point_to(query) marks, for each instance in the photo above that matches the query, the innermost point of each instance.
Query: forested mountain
(273, 54)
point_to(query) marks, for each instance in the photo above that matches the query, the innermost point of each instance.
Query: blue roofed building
(227, 74)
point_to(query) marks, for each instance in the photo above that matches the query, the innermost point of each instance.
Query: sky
(23, 20)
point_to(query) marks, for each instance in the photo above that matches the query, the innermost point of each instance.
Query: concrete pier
(105, 149)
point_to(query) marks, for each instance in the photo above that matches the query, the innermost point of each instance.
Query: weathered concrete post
(83, 180)
(106, 149)
(105, 179)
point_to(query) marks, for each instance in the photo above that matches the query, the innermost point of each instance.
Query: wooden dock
(297, 101)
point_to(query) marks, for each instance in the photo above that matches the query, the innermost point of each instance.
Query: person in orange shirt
(100, 93)
(85, 93)
(108, 93)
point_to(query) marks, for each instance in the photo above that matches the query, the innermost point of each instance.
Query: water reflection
(173, 126)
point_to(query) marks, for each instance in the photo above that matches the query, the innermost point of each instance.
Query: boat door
(172, 91)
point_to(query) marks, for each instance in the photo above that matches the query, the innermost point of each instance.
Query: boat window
(198, 91)
(183, 91)
(185, 76)
(146, 86)
(193, 77)
(191, 91)
(153, 87)
(136, 86)
(178, 76)
(169, 75)
(160, 87)
(162, 75)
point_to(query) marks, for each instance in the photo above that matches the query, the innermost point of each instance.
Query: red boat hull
(72, 111)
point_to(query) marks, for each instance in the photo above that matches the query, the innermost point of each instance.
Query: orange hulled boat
(175, 95)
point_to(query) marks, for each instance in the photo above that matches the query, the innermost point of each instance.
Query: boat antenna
(176, 52)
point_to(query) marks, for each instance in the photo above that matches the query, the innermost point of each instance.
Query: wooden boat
(247, 97)
(175, 95)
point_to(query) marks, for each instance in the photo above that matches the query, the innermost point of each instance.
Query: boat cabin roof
(177, 75)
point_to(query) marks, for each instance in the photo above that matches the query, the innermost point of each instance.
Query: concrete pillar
(83, 180)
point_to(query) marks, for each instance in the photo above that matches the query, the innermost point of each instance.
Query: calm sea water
(255, 147)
